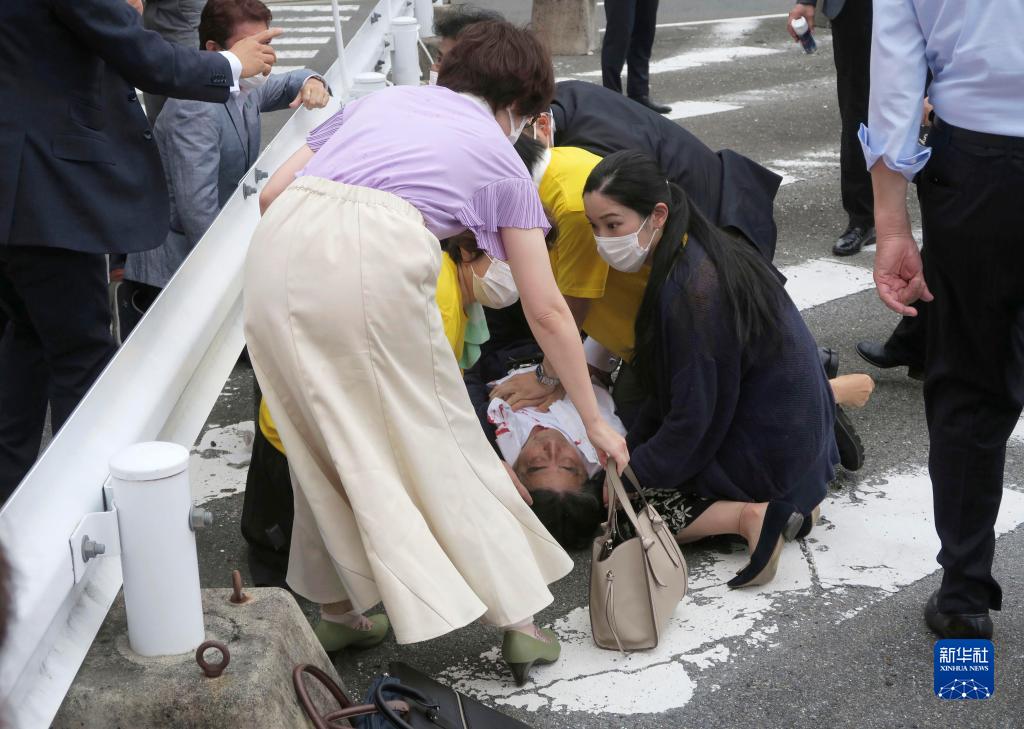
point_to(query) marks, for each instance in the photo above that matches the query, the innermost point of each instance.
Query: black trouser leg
(620, 17)
(851, 44)
(974, 386)
(910, 336)
(268, 512)
(638, 57)
(56, 344)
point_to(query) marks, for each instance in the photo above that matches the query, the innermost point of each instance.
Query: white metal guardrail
(161, 385)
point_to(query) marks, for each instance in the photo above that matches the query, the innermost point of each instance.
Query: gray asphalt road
(839, 639)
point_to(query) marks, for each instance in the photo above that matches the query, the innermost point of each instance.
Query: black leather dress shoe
(830, 361)
(885, 357)
(852, 240)
(652, 104)
(851, 450)
(956, 625)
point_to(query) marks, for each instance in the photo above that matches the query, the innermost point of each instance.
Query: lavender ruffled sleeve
(508, 203)
(319, 136)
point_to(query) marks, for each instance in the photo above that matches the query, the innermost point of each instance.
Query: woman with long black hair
(736, 435)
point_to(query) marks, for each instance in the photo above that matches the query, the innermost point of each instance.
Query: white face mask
(497, 289)
(433, 78)
(252, 82)
(624, 253)
(513, 135)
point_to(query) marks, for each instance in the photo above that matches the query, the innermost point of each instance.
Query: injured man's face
(549, 461)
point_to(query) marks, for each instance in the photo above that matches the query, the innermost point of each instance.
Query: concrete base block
(267, 636)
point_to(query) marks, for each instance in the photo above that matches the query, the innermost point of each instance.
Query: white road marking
(821, 280)
(1018, 432)
(289, 8)
(715, 21)
(308, 19)
(302, 40)
(322, 29)
(871, 543)
(220, 462)
(796, 170)
(688, 109)
(286, 54)
(702, 57)
(285, 69)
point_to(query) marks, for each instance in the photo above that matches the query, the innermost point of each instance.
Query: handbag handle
(617, 492)
(348, 709)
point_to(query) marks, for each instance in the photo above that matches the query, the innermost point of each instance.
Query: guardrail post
(158, 548)
(406, 68)
(425, 17)
(367, 83)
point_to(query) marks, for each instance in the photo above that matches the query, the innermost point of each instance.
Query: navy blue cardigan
(751, 424)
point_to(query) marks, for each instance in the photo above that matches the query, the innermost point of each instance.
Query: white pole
(158, 549)
(339, 42)
(425, 16)
(406, 69)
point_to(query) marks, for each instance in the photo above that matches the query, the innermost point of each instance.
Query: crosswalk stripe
(296, 54)
(285, 69)
(715, 21)
(696, 59)
(314, 8)
(308, 19)
(819, 281)
(302, 40)
(688, 109)
(327, 29)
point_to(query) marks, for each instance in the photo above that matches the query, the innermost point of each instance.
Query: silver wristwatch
(546, 379)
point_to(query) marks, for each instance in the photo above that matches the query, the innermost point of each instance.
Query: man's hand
(525, 390)
(137, 4)
(519, 484)
(899, 274)
(312, 95)
(255, 53)
(800, 11)
(926, 113)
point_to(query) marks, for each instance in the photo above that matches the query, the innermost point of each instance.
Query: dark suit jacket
(731, 190)
(79, 167)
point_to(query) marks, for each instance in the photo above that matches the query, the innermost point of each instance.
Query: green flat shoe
(521, 652)
(335, 636)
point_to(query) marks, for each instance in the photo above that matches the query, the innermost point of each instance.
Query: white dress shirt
(976, 55)
(513, 428)
(236, 68)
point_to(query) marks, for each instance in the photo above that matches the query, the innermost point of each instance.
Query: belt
(984, 139)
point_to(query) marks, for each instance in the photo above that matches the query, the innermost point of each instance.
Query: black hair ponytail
(748, 284)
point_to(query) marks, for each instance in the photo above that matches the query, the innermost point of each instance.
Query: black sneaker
(853, 239)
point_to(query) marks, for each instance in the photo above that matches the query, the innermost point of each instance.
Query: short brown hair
(504, 64)
(219, 18)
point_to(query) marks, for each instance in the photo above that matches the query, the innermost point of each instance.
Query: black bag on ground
(403, 698)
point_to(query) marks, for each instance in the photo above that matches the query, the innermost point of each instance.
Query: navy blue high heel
(782, 522)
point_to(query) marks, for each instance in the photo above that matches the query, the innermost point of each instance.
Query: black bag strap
(431, 711)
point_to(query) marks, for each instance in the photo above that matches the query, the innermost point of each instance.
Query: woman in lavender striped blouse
(398, 496)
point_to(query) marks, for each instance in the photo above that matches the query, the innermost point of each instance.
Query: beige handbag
(638, 574)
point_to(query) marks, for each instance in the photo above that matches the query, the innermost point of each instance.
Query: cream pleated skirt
(398, 495)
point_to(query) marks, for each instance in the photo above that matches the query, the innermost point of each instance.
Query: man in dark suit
(628, 39)
(732, 191)
(80, 177)
(850, 21)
